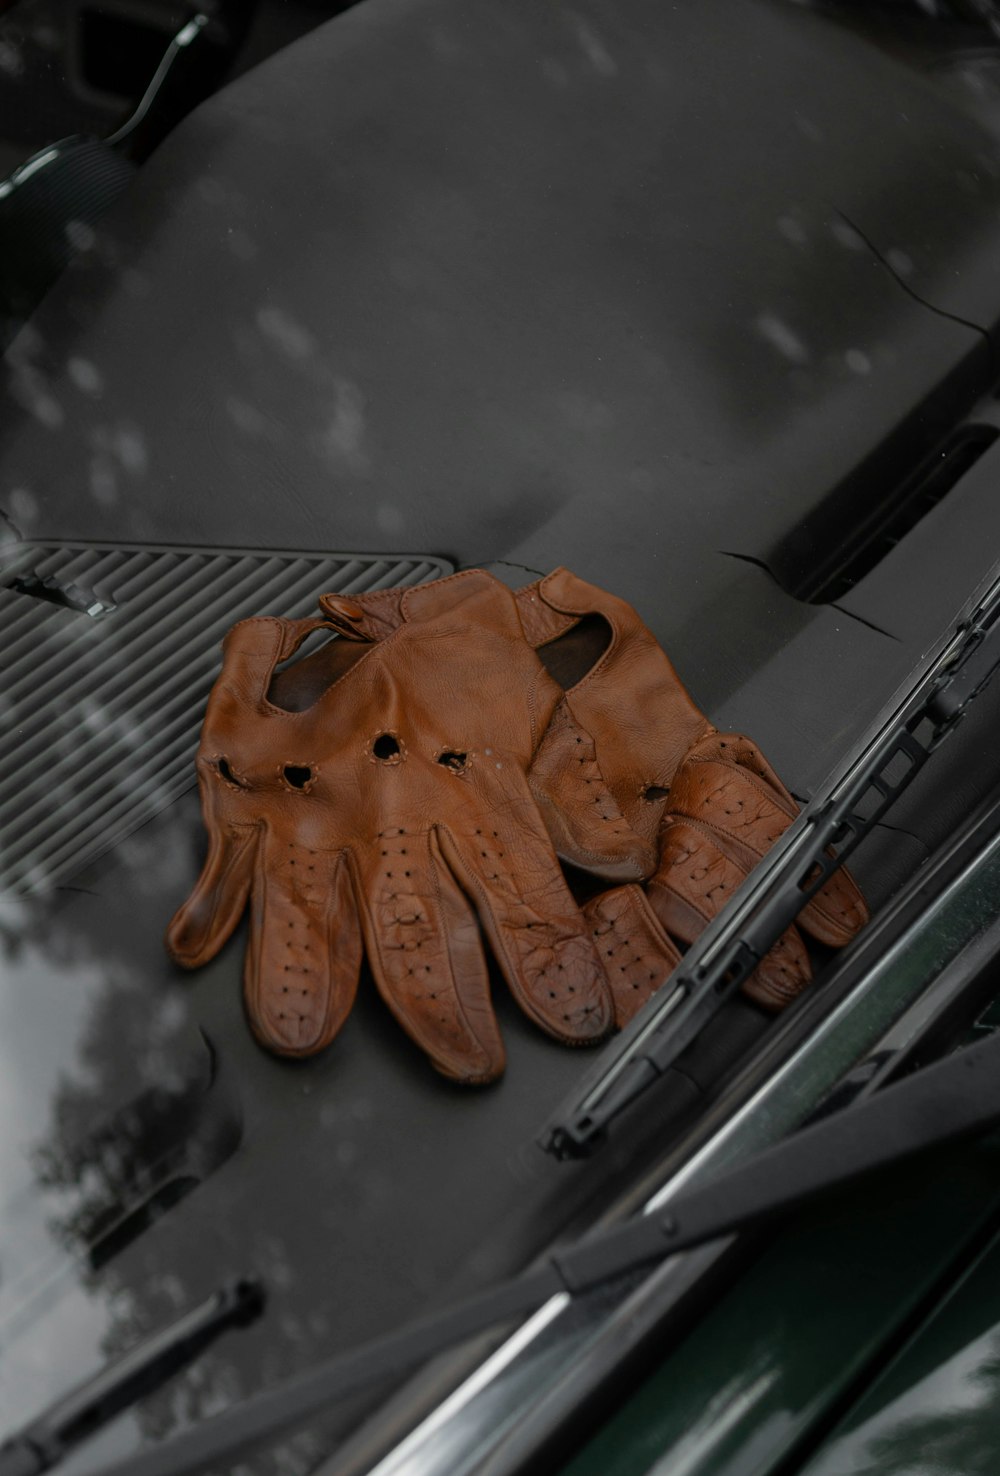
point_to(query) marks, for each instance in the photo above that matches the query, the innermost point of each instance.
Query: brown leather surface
(631, 700)
(410, 785)
(395, 814)
(635, 951)
(709, 800)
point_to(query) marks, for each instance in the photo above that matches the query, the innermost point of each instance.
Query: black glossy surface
(519, 286)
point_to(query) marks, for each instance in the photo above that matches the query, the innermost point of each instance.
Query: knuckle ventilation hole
(299, 776)
(454, 761)
(386, 748)
(655, 792)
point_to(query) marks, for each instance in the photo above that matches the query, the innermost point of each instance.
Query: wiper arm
(845, 810)
(44, 1442)
(955, 1098)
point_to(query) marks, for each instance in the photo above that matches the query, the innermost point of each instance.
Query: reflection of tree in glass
(11, 929)
(121, 1124)
(963, 1439)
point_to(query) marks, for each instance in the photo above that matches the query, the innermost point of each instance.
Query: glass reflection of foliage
(11, 930)
(964, 1438)
(110, 1170)
(105, 1160)
(118, 1176)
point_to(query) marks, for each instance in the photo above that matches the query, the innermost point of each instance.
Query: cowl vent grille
(107, 657)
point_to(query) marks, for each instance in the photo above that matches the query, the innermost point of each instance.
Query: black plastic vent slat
(147, 692)
(138, 643)
(100, 716)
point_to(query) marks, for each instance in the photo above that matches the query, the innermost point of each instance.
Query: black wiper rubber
(955, 1098)
(845, 810)
(48, 1439)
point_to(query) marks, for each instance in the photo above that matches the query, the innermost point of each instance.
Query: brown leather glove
(709, 800)
(392, 807)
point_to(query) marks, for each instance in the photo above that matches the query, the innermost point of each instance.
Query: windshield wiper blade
(847, 807)
(953, 1099)
(44, 1442)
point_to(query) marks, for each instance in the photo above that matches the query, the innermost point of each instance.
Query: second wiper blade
(939, 1104)
(49, 1437)
(845, 810)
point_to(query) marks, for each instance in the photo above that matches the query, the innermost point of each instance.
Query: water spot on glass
(103, 481)
(47, 409)
(793, 230)
(342, 441)
(281, 330)
(23, 505)
(85, 375)
(28, 343)
(858, 361)
(130, 448)
(390, 519)
(80, 235)
(780, 336)
(122, 445)
(246, 417)
(11, 64)
(809, 129)
(847, 236)
(595, 50)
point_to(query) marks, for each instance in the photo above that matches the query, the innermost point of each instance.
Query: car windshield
(677, 326)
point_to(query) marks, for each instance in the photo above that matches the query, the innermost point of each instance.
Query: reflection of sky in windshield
(42, 1011)
(357, 1185)
(52, 1328)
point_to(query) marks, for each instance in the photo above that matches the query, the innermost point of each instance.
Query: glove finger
(304, 955)
(538, 935)
(782, 973)
(581, 815)
(636, 953)
(204, 922)
(694, 882)
(427, 957)
(726, 784)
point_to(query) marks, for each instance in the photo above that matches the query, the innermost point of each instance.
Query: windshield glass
(677, 327)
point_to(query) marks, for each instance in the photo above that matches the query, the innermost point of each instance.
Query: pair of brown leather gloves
(414, 785)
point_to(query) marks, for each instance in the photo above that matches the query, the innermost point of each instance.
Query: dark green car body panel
(862, 1337)
(826, 1304)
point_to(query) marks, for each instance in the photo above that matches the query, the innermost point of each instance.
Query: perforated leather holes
(222, 764)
